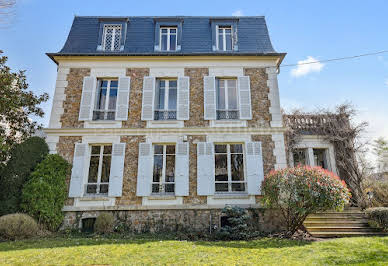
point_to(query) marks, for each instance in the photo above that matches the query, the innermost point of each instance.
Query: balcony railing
(165, 115)
(227, 114)
(167, 188)
(104, 114)
(311, 123)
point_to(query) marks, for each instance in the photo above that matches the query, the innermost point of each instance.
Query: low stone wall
(165, 220)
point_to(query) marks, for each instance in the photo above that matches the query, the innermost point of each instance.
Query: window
(300, 157)
(99, 169)
(224, 38)
(112, 38)
(166, 99)
(320, 158)
(229, 168)
(168, 38)
(227, 107)
(163, 180)
(106, 100)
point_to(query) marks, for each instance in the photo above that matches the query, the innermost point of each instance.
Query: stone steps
(351, 222)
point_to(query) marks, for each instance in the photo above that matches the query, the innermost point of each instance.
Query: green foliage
(45, 193)
(236, 226)
(378, 217)
(24, 157)
(104, 223)
(17, 226)
(303, 190)
(17, 105)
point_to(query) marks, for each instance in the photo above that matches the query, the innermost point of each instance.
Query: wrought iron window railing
(165, 115)
(97, 189)
(104, 114)
(167, 188)
(231, 186)
(227, 114)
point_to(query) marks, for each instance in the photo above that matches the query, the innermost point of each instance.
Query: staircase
(350, 222)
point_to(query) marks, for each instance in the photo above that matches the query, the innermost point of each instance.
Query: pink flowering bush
(303, 190)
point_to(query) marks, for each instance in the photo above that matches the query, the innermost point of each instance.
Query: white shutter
(254, 163)
(124, 89)
(205, 168)
(117, 170)
(183, 96)
(144, 171)
(182, 169)
(77, 173)
(147, 112)
(244, 89)
(87, 99)
(209, 87)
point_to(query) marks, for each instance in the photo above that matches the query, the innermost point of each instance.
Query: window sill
(95, 198)
(161, 197)
(103, 124)
(231, 195)
(228, 123)
(165, 124)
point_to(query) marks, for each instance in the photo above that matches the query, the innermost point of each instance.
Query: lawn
(151, 251)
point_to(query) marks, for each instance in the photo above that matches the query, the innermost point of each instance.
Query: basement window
(88, 225)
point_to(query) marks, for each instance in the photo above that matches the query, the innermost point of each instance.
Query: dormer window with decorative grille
(112, 38)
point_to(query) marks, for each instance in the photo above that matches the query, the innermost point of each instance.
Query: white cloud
(238, 13)
(386, 82)
(307, 66)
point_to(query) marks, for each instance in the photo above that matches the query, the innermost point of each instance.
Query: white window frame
(166, 96)
(224, 37)
(162, 182)
(105, 110)
(168, 38)
(229, 165)
(227, 96)
(99, 172)
(114, 32)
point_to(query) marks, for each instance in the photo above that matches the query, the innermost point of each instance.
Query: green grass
(151, 251)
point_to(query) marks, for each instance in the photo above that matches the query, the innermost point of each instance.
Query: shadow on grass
(91, 240)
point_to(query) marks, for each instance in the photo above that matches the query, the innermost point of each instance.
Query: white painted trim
(228, 138)
(279, 151)
(161, 201)
(102, 124)
(167, 72)
(100, 139)
(274, 98)
(226, 71)
(228, 123)
(94, 202)
(59, 97)
(165, 124)
(52, 143)
(108, 72)
(222, 200)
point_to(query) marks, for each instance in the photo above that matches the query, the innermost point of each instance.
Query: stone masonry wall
(135, 97)
(73, 92)
(196, 97)
(261, 116)
(65, 148)
(142, 221)
(130, 171)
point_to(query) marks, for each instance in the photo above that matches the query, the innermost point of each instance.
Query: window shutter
(147, 112)
(209, 86)
(77, 173)
(254, 163)
(87, 99)
(182, 169)
(183, 98)
(205, 168)
(117, 170)
(244, 90)
(145, 169)
(123, 98)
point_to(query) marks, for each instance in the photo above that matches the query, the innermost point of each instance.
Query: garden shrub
(17, 226)
(45, 193)
(235, 225)
(301, 191)
(104, 223)
(24, 157)
(378, 218)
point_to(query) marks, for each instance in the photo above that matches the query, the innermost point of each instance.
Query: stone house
(168, 119)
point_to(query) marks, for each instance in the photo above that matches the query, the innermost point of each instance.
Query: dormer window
(112, 37)
(168, 38)
(224, 38)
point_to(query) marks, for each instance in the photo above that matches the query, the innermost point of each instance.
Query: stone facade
(196, 97)
(130, 171)
(261, 116)
(135, 97)
(73, 92)
(189, 220)
(65, 148)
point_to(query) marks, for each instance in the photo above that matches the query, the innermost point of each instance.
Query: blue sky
(302, 29)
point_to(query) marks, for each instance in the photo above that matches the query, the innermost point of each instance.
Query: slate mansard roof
(196, 39)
